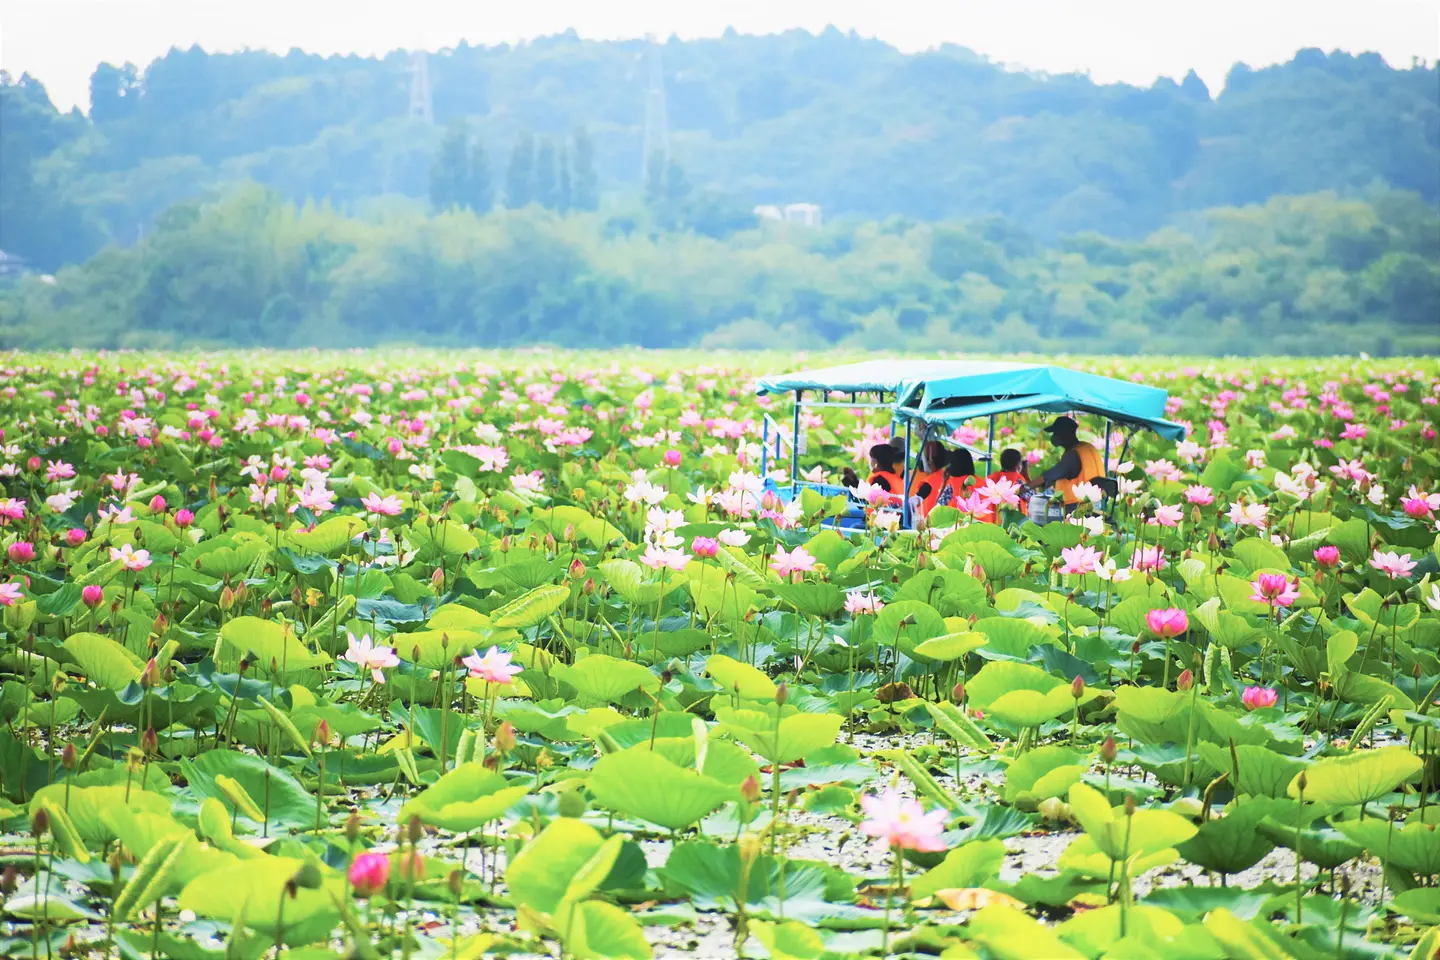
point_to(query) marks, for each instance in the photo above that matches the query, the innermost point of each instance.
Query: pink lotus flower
(1249, 515)
(316, 497)
(1393, 564)
(59, 470)
(857, 602)
(9, 594)
(1167, 623)
(132, 559)
(902, 824)
(366, 655)
(1274, 590)
(21, 551)
(11, 509)
(1256, 698)
(494, 667)
(1148, 558)
(656, 557)
(369, 872)
(1327, 556)
(1079, 559)
(1168, 515)
(157, 504)
(792, 564)
(75, 536)
(733, 538)
(704, 547)
(92, 595)
(382, 506)
(184, 518)
(1201, 496)
(998, 493)
(672, 458)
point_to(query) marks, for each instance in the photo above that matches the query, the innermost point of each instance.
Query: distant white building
(807, 214)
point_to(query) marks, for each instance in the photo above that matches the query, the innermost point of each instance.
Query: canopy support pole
(905, 483)
(795, 447)
(1107, 447)
(990, 446)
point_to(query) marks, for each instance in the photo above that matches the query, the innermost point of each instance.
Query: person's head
(1010, 460)
(961, 464)
(933, 456)
(883, 456)
(1063, 432)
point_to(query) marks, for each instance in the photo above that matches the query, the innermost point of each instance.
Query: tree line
(1305, 275)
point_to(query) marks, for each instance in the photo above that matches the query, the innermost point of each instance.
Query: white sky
(61, 41)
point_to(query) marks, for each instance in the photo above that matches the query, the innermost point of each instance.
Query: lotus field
(460, 655)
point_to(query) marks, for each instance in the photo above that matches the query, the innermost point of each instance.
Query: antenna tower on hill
(420, 107)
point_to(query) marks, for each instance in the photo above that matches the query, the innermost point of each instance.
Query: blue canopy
(952, 391)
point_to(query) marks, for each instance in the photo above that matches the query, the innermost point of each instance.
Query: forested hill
(848, 123)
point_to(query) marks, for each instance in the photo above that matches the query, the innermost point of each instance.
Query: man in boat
(1079, 463)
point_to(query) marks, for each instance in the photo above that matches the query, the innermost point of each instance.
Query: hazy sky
(61, 41)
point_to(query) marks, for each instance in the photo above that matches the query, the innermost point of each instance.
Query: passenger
(884, 460)
(928, 479)
(959, 478)
(1080, 463)
(1012, 468)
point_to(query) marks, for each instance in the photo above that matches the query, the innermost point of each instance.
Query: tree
(520, 177)
(545, 174)
(114, 92)
(586, 189)
(564, 192)
(479, 194)
(655, 180)
(450, 171)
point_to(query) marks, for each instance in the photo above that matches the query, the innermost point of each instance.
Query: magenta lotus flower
(10, 593)
(672, 458)
(1274, 590)
(92, 595)
(184, 518)
(382, 506)
(1256, 698)
(1201, 496)
(494, 667)
(1148, 558)
(705, 547)
(899, 823)
(1167, 623)
(21, 551)
(1392, 563)
(157, 504)
(1327, 556)
(369, 872)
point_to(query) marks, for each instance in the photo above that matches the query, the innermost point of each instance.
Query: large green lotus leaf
(797, 735)
(1357, 778)
(1260, 555)
(1230, 843)
(1128, 616)
(951, 646)
(602, 679)
(928, 623)
(541, 873)
(740, 678)
(1147, 831)
(630, 581)
(87, 806)
(597, 530)
(445, 537)
(230, 554)
(1414, 847)
(594, 928)
(111, 665)
(1043, 772)
(464, 799)
(532, 608)
(259, 886)
(968, 865)
(271, 641)
(1012, 636)
(1026, 708)
(791, 940)
(456, 616)
(1010, 934)
(1263, 772)
(282, 797)
(822, 600)
(727, 599)
(1095, 932)
(997, 561)
(726, 762)
(952, 592)
(640, 783)
(330, 536)
(1421, 905)
(1153, 715)
(1000, 677)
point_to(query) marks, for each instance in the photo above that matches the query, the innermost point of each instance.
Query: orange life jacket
(1092, 467)
(936, 479)
(954, 489)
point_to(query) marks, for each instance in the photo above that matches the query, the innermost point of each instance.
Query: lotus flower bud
(227, 599)
(75, 536)
(352, 827)
(149, 742)
(67, 757)
(588, 587)
(782, 693)
(322, 733)
(414, 829)
(1109, 749)
(1129, 805)
(437, 578)
(1185, 681)
(184, 518)
(157, 504)
(505, 737)
(577, 569)
(39, 823)
(92, 595)
(1077, 687)
(750, 789)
